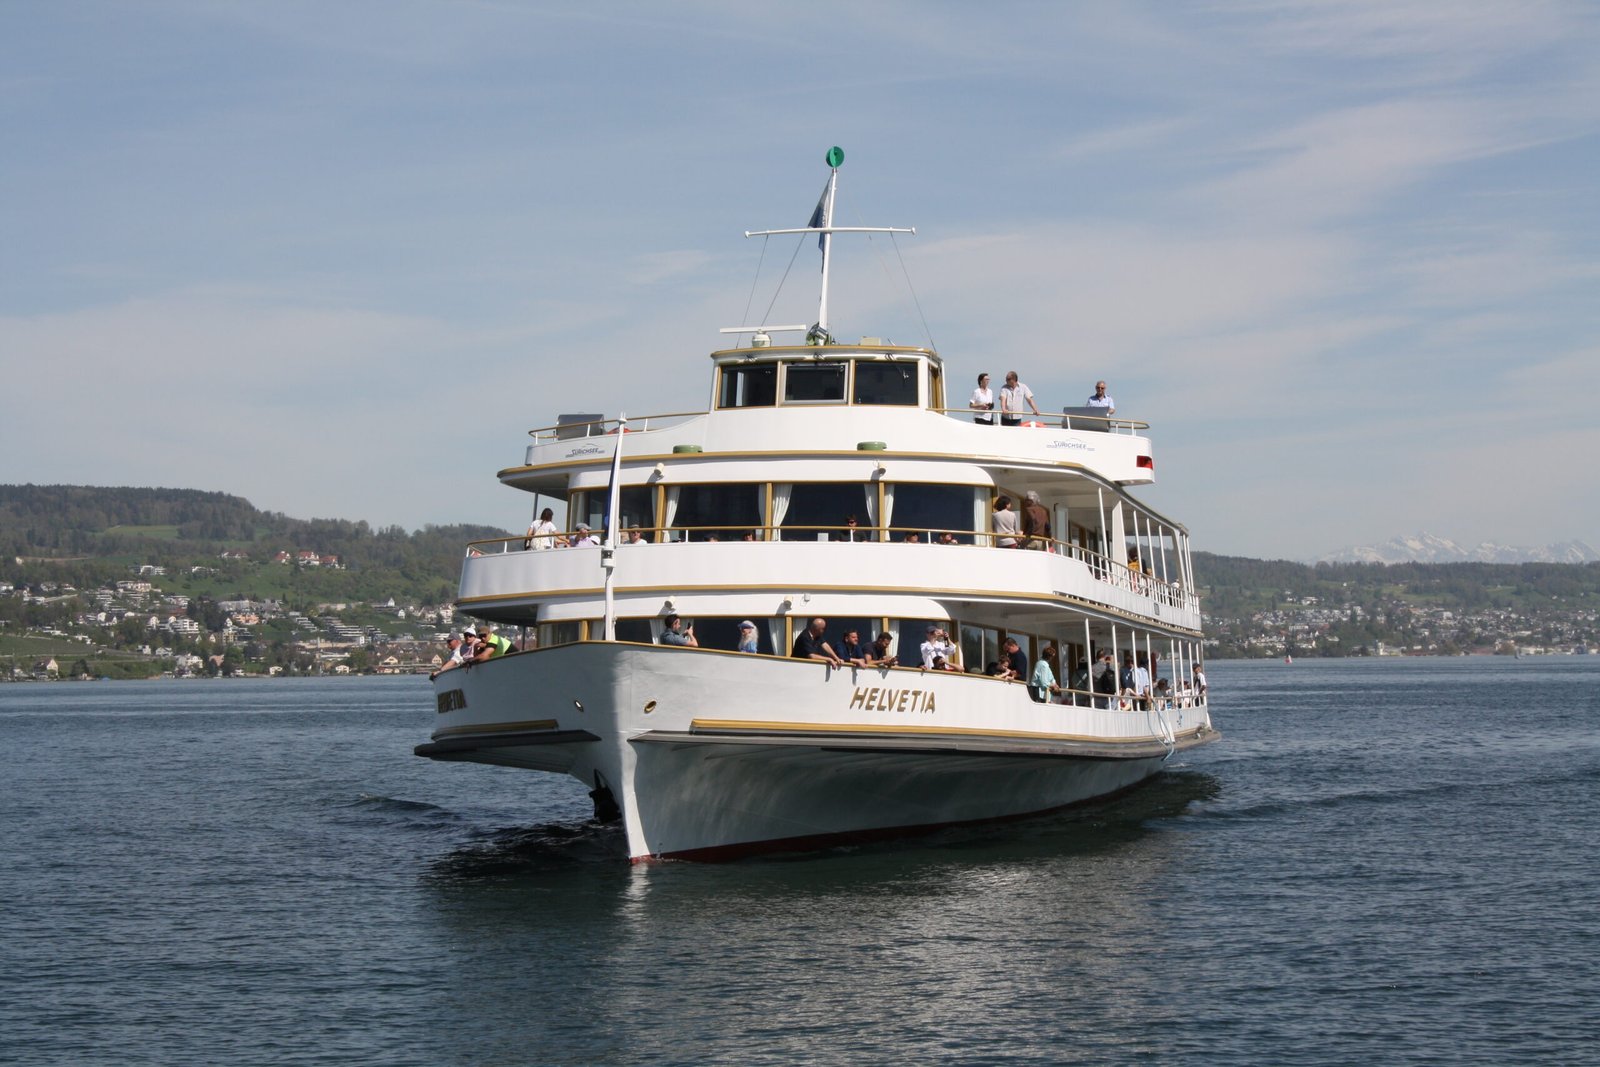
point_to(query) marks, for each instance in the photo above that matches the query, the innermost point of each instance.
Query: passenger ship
(743, 513)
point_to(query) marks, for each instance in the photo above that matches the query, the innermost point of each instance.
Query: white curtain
(872, 503)
(1118, 548)
(980, 516)
(888, 507)
(672, 512)
(781, 492)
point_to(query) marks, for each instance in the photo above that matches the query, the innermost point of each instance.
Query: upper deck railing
(600, 426)
(1066, 419)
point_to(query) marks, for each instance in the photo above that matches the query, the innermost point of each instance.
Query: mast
(824, 219)
(821, 224)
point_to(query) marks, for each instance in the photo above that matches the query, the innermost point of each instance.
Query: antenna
(822, 224)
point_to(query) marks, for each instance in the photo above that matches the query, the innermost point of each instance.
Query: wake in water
(526, 850)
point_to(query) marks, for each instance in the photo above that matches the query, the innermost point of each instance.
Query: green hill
(87, 535)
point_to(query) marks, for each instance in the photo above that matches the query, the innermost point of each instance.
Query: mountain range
(1428, 548)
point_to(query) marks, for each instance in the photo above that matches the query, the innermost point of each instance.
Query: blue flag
(819, 217)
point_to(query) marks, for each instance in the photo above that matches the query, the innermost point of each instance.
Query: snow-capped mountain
(1426, 548)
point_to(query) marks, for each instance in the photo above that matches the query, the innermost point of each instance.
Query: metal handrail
(1101, 567)
(1052, 420)
(604, 426)
(598, 427)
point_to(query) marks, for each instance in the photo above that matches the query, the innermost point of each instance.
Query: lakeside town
(134, 628)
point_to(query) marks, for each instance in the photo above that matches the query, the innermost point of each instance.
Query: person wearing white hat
(747, 637)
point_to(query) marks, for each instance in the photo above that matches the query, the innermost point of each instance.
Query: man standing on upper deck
(1013, 395)
(1101, 399)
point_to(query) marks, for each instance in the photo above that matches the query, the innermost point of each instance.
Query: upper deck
(816, 401)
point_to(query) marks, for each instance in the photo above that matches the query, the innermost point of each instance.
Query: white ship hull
(710, 755)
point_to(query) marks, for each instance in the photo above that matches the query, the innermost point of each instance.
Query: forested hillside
(85, 535)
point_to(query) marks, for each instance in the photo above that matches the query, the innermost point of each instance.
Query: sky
(338, 258)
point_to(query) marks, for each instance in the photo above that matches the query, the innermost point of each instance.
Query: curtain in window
(1118, 549)
(888, 504)
(872, 503)
(672, 512)
(781, 492)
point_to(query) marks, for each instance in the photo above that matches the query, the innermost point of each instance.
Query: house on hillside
(47, 668)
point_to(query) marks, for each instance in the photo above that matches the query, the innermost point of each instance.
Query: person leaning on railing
(490, 644)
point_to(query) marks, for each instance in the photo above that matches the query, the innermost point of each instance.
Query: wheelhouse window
(886, 383)
(749, 387)
(812, 383)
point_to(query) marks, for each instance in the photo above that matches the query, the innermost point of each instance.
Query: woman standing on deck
(1006, 527)
(1042, 686)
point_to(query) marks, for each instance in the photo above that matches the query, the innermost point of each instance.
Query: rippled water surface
(1381, 862)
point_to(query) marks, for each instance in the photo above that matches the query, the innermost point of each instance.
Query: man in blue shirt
(851, 650)
(1015, 659)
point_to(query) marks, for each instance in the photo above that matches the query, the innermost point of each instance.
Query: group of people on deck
(542, 533)
(473, 646)
(1045, 683)
(1016, 401)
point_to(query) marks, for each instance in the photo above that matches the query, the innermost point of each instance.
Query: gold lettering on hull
(899, 701)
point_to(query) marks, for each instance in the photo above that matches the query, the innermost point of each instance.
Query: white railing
(1102, 568)
(1064, 420)
(601, 427)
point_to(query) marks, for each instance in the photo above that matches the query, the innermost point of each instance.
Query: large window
(820, 511)
(637, 507)
(559, 633)
(703, 512)
(980, 646)
(908, 637)
(886, 383)
(813, 383)
(632, 630)
(866, 629)
(929, 510)
(749, 387)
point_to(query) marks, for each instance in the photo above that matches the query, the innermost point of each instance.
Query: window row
(755, 385)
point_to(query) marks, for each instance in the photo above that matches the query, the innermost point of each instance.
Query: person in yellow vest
(490, 644)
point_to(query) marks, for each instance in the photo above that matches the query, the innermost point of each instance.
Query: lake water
(1381, 862)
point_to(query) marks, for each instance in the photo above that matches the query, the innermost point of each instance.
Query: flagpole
(608, 550)
(827, 238)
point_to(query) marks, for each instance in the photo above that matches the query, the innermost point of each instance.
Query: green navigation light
(835, 156)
